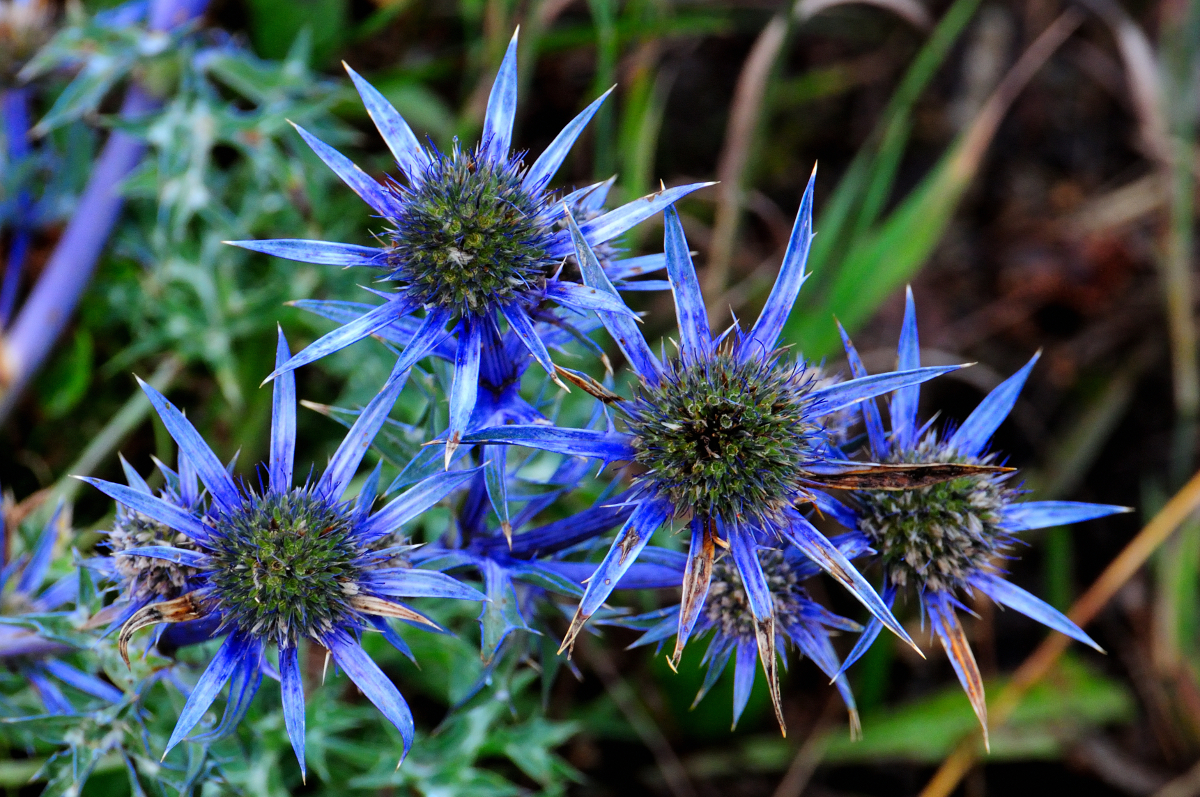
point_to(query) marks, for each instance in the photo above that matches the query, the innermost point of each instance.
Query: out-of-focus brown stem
(744, 116)
(1042, 660)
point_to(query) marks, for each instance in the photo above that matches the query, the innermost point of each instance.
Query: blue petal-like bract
(1044, 514)
(1035, 608)
(465, 387)
(502, 108)
(283, 422)
(324, 253)
(219, 670)
(546, 166)
(623, 329)
(869, 634)
(38, 565)
(362, 184)
(51, 696)
(88, 684)
(813, 544)
(624, 218)
(846, 394)
(522, 326)
(154, 507)
(398, 136)
(350, 333)
(828, 505)
(695, 340)
(411, 582)
(743, 677)
(630, 541)
(971, 438)
(905, 400)
(208, 467)
(870, 410)
(412, 503)
(765, 335)
(293, 700)
(132, 478)
(608, 446)
(180, 556)
(585, 297)
(744, 550)
(353, 448)
(367, 676)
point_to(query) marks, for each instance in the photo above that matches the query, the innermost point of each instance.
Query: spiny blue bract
(945, 541)
(726, 437)
(283, 564)
(476, 237)
(731, 435)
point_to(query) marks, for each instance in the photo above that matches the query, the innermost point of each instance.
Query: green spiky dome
(727, 439)
(727, 608)
(143, 577)
(936, 537)
(284, 566)
(469, 236)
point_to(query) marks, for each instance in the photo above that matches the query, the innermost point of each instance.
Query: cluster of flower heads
(726, 434)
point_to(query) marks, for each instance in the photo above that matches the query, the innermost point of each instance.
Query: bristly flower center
(936, 537)
(470, 236)
(284, 566)
(727, 608)
(727, 439)
(144, 577)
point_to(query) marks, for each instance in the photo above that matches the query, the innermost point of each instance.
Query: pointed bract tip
(568, 643)
(673, 661)
(452, 446)
(506, 528)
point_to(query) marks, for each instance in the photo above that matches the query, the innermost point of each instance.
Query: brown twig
(1042, 660)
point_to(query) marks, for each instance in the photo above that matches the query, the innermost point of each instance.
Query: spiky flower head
(474, 237)
(727, 437)
(37, 655)
(282, 564)
(937, 537)
(729, 621)
(946, 541)
(144, 579)
(730, 435)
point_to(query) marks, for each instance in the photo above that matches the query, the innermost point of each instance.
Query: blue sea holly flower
(726, 614)
(475, 238)
(27, 645)
(282, 563)
(141, 580)
(728, 433)
(944, 541)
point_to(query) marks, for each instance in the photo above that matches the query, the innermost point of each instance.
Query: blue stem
(17, 251)
(14, 108)
(54, 298)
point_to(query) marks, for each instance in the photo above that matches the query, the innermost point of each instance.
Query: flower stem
(69, 270)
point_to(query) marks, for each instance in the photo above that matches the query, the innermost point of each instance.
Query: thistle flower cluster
(728, 435)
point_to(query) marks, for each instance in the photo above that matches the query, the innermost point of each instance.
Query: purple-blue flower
(727, 432)
(946, 541)
(280, 564)
(25, 644)
(799, 621)
(474, 238)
